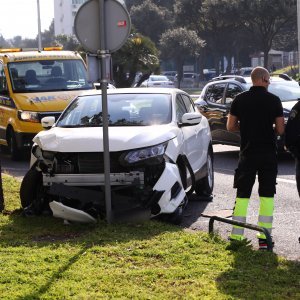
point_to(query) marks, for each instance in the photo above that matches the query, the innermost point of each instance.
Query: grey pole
(39, 27)
(298, 26)
(104, 82)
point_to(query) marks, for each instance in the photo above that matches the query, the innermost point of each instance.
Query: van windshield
(48, 75)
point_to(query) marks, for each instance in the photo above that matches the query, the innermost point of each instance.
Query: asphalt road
(286, 225)
(286, 230)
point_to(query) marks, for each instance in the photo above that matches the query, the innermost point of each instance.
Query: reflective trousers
(265, 218)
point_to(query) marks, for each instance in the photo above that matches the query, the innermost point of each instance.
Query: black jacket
(292, 131)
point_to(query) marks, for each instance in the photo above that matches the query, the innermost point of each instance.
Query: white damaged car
(160, 150)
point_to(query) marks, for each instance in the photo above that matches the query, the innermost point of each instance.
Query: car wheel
(14, 151)
(31, 192)
(204, 187)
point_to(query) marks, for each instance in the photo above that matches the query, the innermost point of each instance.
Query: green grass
(40, 258)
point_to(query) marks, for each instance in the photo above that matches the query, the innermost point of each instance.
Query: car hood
(91, 139)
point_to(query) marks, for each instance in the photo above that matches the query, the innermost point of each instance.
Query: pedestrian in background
(292, 139)
(258, 115)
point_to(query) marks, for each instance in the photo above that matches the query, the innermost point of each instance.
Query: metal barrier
(241, 224)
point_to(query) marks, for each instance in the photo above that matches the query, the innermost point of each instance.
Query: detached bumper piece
(71, 214)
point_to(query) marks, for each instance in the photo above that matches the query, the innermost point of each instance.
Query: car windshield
(48, 75)
(123, 110)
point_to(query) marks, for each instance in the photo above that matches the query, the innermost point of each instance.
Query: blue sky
(20, 17)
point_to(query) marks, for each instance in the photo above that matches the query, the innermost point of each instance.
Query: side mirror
(191, 118)
(47, 122)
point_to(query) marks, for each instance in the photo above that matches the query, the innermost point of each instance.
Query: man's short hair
(258, 73)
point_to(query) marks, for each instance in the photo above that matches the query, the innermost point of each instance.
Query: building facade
(64, 15)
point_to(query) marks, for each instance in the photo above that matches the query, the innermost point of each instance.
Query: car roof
(275, 78)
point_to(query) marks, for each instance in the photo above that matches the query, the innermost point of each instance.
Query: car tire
(14, 151)
(204, 186)
(31, 192)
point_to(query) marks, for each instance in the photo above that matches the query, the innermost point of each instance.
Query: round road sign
(116, 22)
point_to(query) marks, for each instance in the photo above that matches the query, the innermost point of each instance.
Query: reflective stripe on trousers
(265, 218)
(239, 214)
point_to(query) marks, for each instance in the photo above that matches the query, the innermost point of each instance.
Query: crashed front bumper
(94, 179)
(164, 197)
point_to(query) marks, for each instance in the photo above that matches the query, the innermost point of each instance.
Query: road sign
(116, 23)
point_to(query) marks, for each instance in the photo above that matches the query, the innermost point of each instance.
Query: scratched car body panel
(159, 149)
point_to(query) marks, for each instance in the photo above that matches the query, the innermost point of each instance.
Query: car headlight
(28, 116)
(41, 154)
(153, 154)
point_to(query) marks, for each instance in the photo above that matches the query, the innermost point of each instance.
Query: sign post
(102, 27)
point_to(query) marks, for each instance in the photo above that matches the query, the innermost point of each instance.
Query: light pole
(39, 26)
(298, 27)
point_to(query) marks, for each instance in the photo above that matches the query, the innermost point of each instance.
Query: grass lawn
(41, 258)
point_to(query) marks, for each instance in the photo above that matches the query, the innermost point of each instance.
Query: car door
(231, 138)
(214, 109)
(192, 143)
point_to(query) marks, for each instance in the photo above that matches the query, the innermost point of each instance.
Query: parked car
(160, 151)
(189, 79)
(245, 71)
(158, 81)
(170, 74)
(216, 97)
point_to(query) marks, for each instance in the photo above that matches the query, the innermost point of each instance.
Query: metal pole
(298, 27)
(39, 27)
(104, 82)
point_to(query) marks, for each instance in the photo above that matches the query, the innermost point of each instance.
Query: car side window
(180, 108)
(231, 92)
(188, 103)
(215, 92)
(3, 83)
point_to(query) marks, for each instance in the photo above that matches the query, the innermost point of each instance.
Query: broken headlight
(149, 155)
(41, 154)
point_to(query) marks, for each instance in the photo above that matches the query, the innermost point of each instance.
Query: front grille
(55, 114)
(87, 163)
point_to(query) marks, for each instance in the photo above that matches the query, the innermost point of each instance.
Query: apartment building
(64, 14)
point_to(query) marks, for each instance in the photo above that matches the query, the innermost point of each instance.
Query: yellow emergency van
(35, 84)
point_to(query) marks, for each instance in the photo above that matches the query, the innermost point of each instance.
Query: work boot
(262, 244)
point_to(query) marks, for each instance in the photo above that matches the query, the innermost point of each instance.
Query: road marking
(286, 180)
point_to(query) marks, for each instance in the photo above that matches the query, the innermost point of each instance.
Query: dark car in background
(215, 100)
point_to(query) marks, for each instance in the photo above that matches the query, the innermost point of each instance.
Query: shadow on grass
(44, 230)
(39, 232)
(260, 275)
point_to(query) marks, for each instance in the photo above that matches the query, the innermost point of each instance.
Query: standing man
(258, 115)
(292, 139)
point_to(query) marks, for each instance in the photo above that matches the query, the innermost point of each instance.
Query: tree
(139, 54)
(163, 3)
(48, 36)
(150, 19)
(68, 42)
(177, 44)
(216, 22)
(264, 19)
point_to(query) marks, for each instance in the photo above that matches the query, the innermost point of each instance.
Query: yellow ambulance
(35, 84)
